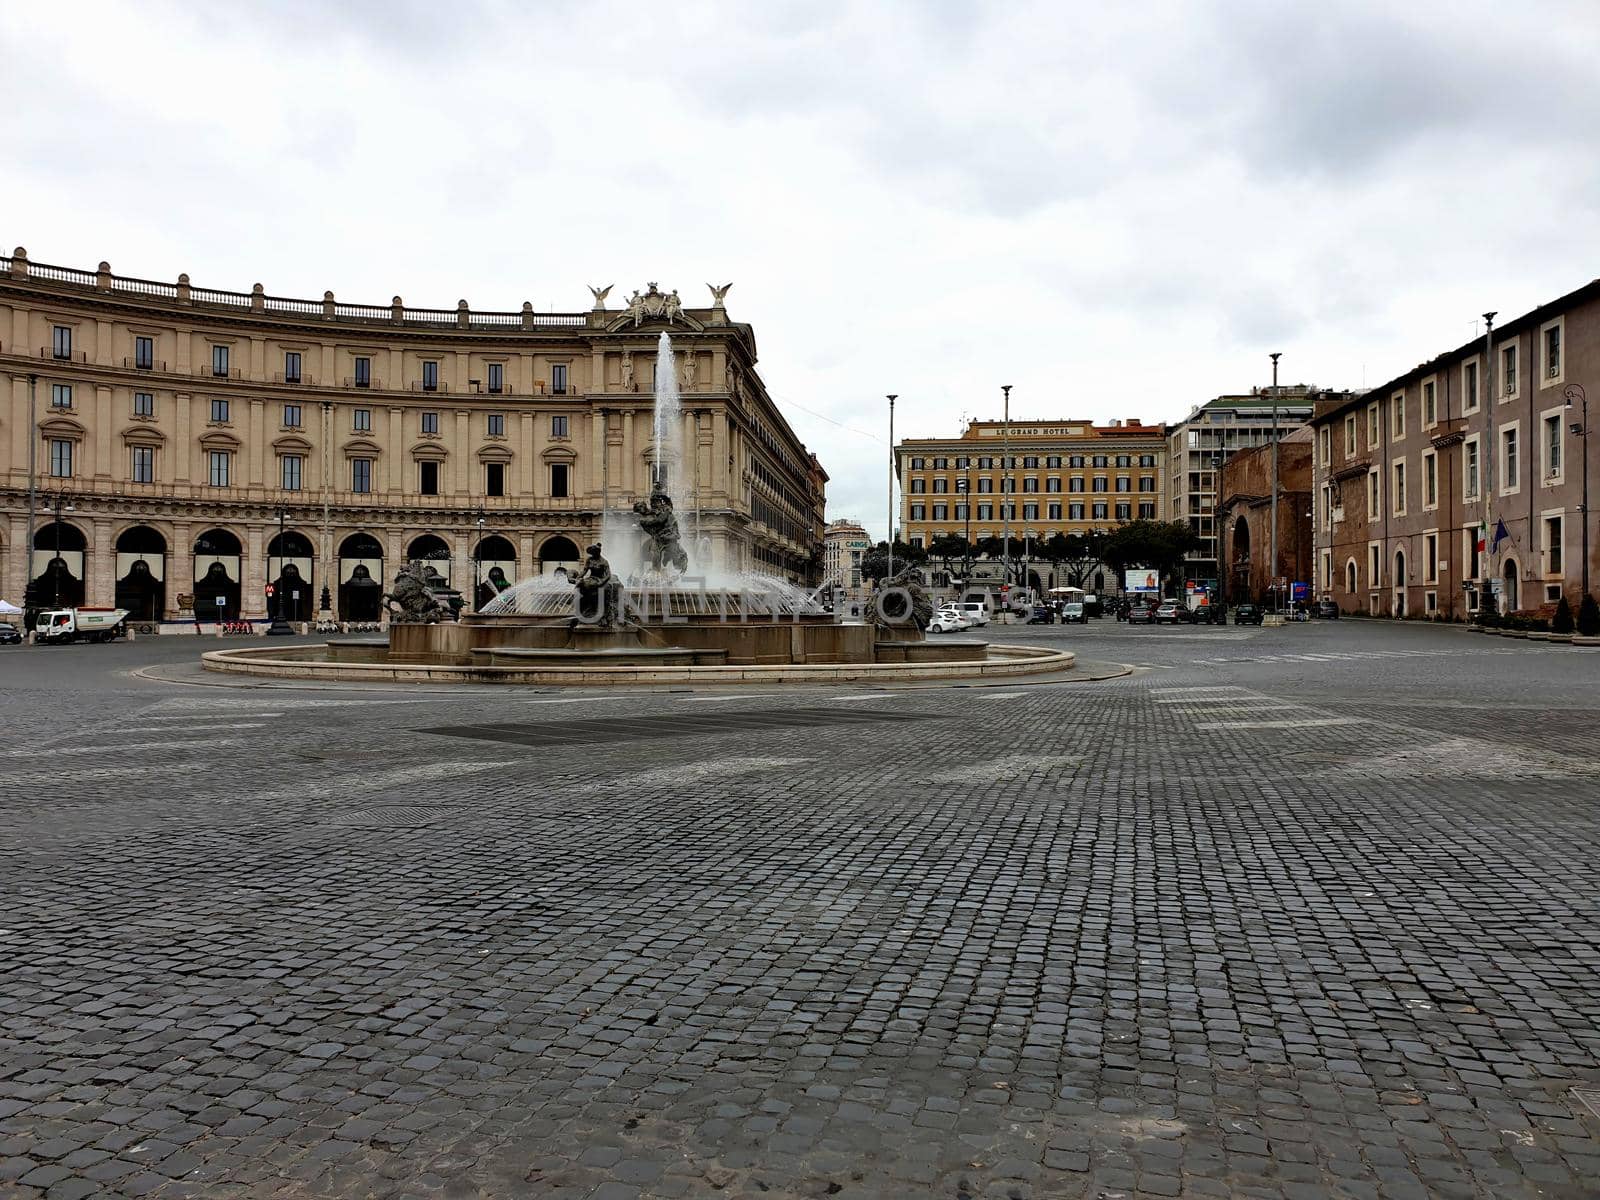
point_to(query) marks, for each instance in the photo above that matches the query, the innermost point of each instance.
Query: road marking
(1315, 723)
(207, 725)
(1210, 688)
(1218, 701)
(118, 749)
(1003, 696)
(192, 718)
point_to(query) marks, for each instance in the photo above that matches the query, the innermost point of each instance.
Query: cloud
(1120, 212)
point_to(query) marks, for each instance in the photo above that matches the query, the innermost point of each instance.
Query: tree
(1161, 545)
(1562, 621)
(1589, 618)
(1079, 554)
(947, 548)
(875, 562)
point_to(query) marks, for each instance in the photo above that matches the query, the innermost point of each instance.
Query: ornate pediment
(656, 306)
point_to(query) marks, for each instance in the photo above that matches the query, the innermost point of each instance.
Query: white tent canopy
(1066, 591)
(9, 610)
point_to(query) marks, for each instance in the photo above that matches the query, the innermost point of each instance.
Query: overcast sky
(1118, 209)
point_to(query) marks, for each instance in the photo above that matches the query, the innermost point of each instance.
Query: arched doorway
(360, 578)
(1510, 599)
(142, 573)
(291, 568)
(1350, 576)
(495, 561)
(1399, 583)
(60, 551)
(218, 569)
(559, 553)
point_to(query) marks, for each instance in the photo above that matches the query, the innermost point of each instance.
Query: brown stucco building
(1408, 476)
(1244, 520)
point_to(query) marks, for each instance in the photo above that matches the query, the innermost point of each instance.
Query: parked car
(1326, 609)
(977, 613)
(1072, 612)
(1042, 614)
(1246, 614)
(1170, 613)
(1215, 613)
(949, 620)
(1141, 614)
(9, 634)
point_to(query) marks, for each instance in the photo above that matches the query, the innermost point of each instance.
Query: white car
(977, 614)
(949, 620)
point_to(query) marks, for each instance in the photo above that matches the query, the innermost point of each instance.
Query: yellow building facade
(1056, 476)
(182, 448)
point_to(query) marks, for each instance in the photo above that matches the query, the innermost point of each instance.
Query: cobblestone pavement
(1291, 913)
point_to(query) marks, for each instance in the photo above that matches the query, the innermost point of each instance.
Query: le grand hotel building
(195, 443)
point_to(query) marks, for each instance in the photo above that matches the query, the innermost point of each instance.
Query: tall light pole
(893, 463)
(1486, 476)
(33, 480)
(1569, 393)
(1005, 486)
(279, 626)
(55, 572)
(1272, 545)
(966, 490)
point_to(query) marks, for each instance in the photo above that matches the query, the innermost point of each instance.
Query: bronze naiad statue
(411, 602)
(599, 600)
(901, 601)
(660, 525)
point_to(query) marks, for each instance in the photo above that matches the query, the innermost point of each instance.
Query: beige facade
(844, 544)
(170, 425)
(1059, 477)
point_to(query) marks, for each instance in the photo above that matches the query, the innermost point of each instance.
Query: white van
(977, 613)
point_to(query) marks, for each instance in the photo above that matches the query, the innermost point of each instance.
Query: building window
(1053, 511)
(1147, 483)
(558, 480)
(1552, 447)
(1398, 406)
(60, 458)
(1030, 484)
(1075, 460)
(428, 478)
(291, 416)
(1508, 460)
(497, 378)
(1147, 460)
(1372, 427)
(1430, 402)
(361, 420)
(1147, 509)
(1007, 484)
(941, 485)
(1399, 489)
(1100, 510)
(144, 464)
(1372, 495)
(291, 471)
(1124, 460)
(918, 486)
(1469, 468)
(961, 512)
(1075, 512)
(430, 422)
(1325, 444)
(558, 379)
(1430, 557)
(291, 366)
(1124, 484)
(1350, 435)
(61, 341)
(1030, 512)
(430, 376)
(144, 353)
(940, 464)
(985, 512)
(917, 464)
(494, 479)
(1124, 511)
(1552, 352)
(497, 424)
(144, 404)
(1553, 564)
(985, 486)
(1100, 460)
(1075, 484)
(363, 372)
(219, 411)
(961, 463)
(1469, 387)
(1430, 480)
(219, 361)
(1100, 484)
(361, 475)
(60, 395)
(919, 512)
(941, 512)
(1053, 484)
(558, 427)
(1030, 462)
(1508, 370)
(218, 464)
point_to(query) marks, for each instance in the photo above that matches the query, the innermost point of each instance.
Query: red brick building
(1244, 519)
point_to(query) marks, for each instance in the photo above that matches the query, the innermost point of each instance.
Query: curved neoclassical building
(183, 448)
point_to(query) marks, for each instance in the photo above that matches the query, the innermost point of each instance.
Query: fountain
(649, 605)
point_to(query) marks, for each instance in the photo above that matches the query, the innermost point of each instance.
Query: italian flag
(1483, 536)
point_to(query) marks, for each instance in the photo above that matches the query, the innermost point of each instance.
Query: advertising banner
(1142, 580)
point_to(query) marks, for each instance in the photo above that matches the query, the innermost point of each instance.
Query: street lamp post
(893, 464)
(55, 573)
(1574, 391)
(1272, 544)
(964, 486)
(279, 626)
(1005, 487)
(33, 485)
(477, 568)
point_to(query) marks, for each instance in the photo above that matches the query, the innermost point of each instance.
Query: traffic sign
(269, 589)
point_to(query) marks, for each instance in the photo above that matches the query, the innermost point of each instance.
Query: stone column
(252, 571)
(179, 564)
(101, 434)
(100, 571)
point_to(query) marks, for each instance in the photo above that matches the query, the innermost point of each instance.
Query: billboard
(1142, 580)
